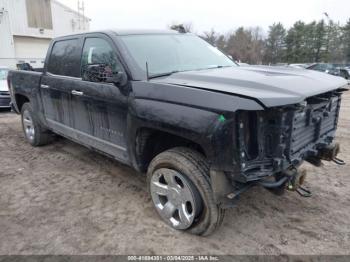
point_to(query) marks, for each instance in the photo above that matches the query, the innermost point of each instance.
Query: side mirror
(103, 73)
(118, 78)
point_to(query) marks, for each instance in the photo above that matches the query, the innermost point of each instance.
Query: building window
(39, 13)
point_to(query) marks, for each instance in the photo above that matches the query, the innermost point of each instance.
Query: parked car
(348, 70)
(331, 69)
(243, 64)
(5, 98)
(301, 66)
(172, 106)
(344, 73)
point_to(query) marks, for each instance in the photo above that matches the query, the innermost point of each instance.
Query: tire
(34, 132)
(192, 170)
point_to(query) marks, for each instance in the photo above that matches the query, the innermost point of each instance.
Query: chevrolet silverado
(172, 106)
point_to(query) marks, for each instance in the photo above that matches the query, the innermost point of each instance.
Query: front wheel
(180, 188)
(35, 134)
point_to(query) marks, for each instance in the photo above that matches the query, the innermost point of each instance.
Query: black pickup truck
(170, 105)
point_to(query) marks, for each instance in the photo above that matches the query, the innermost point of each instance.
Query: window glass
(174, 52)
(318, 67)
(3, 74)
(99, 51)
(39, 14)
(65, 58)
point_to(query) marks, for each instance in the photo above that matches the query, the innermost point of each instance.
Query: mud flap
(225, 192)
(222, 188)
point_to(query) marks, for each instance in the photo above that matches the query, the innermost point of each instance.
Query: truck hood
(272, 86)
(3, 85)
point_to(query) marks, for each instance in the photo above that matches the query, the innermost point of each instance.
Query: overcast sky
(222, 15)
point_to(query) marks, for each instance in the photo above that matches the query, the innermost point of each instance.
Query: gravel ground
(65, 199)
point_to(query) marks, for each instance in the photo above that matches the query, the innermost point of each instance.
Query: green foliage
(245, 45)
(318, 41)
(297, 42)
(314, 42)
(275, 44)
(346, 41)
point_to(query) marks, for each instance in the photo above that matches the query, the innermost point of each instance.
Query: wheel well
(20, 100)
(150, 142)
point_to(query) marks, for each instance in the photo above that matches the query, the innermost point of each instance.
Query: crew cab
(172, 106)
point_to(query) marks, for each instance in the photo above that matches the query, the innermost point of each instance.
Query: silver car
(5, 98)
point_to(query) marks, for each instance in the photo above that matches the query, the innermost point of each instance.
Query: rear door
(62, 74)
(99, 108)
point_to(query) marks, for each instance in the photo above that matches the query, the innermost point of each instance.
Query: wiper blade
(214, 67)
(163, 74)
(219, 66)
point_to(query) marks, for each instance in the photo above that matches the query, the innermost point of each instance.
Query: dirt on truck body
(170, 105)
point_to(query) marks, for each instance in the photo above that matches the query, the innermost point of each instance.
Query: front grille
(314, 123)
(272, 140)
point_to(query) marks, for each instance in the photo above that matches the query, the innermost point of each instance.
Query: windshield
(3, 74)
(168, 53)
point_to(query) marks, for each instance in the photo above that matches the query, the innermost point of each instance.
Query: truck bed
(24, 83)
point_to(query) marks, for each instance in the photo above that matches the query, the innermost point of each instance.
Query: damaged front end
(272, 144)
(277, 139)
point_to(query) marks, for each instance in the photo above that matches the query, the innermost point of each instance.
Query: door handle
(45, 86)
(77, 93)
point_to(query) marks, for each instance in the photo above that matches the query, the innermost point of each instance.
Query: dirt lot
(65, 199)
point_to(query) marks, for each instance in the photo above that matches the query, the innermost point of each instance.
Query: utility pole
(328, 33)
(81, 15)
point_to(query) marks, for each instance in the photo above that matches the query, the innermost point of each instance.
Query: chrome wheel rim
(28, 125)
(175, 198)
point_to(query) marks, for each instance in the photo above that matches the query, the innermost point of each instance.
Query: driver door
(100, 109)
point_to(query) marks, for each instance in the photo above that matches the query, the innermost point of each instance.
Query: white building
(27, 27)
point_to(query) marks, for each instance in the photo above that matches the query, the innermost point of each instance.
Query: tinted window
(99, 51)
(65, 58)
(318, 67)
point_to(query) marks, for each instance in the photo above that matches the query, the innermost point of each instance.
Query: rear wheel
(34, 133)
(179, 184)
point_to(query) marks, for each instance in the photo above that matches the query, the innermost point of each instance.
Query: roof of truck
(143, 31)
(124, 32)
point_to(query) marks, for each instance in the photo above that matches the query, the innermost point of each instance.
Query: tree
(215, 39)
(346, 42)
(320, 41)
(316, 41)
(308, 43)
(334, 43)
(239, 44)
(210, 37)
(257, 50)
(295, 42)
(221, 43)
(275, 44)
(245, 45)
